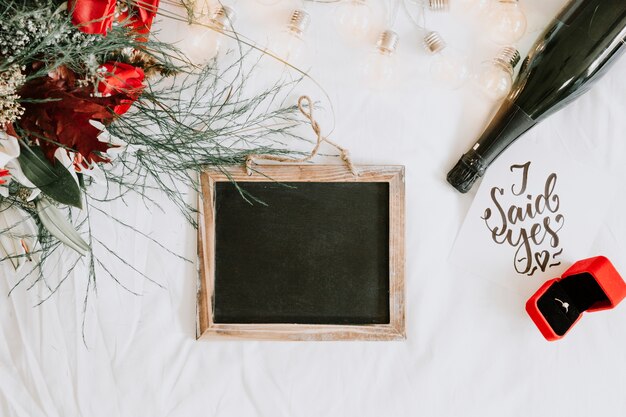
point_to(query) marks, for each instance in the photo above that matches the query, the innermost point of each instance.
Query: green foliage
(54, 180)
(199, 118)
(42, 31)
(53, 220)
(192, 122)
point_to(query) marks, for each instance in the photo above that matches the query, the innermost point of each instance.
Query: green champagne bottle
(576, 49)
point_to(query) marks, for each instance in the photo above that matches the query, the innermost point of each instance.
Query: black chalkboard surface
(315, 252)
(307, 255)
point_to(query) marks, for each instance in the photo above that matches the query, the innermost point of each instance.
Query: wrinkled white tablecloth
(470, 351)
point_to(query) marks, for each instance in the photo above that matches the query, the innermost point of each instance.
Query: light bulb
(290, 45)
(352, 19)
(201, 44)
(201, 9)
(438, 5)
(203, 38)
(268, 2)
(380, 68)
(495, 77)
(507, 22)
(447, 67)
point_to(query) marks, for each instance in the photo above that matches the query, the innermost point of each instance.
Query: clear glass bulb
(268, 2)
(507, 22)
(202, 39)
(495, 77)
(381, 67)
(449, 69)
(494, 81)
(291, 47)
(353, 19)
(200, 43)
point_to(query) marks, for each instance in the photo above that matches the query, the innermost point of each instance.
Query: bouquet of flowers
(87, 96)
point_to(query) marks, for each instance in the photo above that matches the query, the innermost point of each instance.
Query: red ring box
(589, 285)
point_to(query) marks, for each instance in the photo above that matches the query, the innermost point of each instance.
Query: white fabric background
(470, 351)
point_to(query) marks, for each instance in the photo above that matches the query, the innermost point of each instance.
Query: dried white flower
(22, 33)
(10, 108)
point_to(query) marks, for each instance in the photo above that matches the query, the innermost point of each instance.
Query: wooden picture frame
(394, 330)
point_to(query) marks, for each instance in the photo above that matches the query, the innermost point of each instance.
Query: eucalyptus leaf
(59, 227)
(54, 180)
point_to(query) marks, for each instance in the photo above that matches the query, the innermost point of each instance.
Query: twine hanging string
(308, 113)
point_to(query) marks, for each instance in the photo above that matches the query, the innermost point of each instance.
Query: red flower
(121, 79)
(92, 16)
(140, 16)
(3, 173)
(59, 110)
(96, 16)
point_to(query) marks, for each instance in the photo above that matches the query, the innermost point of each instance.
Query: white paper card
(535, 213)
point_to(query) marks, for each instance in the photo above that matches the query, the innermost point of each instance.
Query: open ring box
(589, 285)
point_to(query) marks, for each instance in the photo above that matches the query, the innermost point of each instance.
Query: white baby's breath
(10, 108)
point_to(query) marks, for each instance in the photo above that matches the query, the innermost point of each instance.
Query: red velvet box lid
(589, 285)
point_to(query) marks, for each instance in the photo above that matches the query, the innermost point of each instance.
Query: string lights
(506, 24)
(495, 77)
(448, 67)
(353, 19)
(204, 35)
(380, 68)
(290, 44)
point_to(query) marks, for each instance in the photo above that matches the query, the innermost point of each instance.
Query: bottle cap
(509, 123)
(434, 43)
(467, 171)
(299, 21)
(388, 42)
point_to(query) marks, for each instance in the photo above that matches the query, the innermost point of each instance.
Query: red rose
(140, 16)
(92, 16)
(121, 79)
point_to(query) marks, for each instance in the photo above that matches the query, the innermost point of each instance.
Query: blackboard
(301, 251)
(305, 256)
